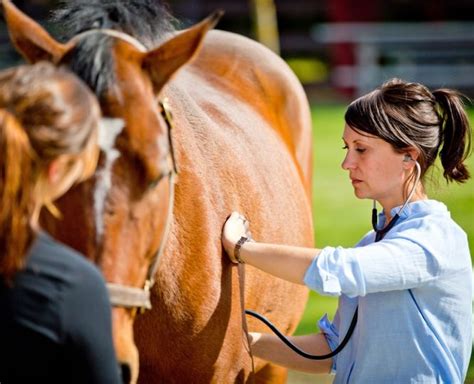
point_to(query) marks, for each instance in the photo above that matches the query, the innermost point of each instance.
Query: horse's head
(118, 218)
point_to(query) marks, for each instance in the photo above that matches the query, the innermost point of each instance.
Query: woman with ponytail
(405, 291)
(55, 323)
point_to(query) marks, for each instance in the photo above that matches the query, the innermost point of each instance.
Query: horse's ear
(30, 39)
(162, 62)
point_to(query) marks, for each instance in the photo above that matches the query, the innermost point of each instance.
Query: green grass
(341, 219)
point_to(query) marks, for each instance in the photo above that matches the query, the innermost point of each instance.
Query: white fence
(436, 54)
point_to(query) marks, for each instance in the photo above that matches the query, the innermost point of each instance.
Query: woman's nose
(348, 162)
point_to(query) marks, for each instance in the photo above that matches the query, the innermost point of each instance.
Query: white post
(265, 23)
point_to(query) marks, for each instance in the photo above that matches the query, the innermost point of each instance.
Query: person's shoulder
(427, 223)
(435, 216)
(430, 225)
(63, 270)
(51, 257)
(52, 275)
(425, 213)
(80, 282)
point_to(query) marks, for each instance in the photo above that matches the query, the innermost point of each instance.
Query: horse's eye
(155, 182)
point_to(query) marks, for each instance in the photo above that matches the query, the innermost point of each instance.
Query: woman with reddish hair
(55, 320)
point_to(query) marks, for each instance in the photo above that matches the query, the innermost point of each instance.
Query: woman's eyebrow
(355, 141)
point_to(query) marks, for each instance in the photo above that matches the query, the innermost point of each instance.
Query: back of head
(45, 112)
(407, 115)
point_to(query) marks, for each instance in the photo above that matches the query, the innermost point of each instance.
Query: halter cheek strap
(133, 297)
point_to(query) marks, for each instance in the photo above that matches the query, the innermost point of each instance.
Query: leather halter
(122, 295)
(113, 33)
(133, 297)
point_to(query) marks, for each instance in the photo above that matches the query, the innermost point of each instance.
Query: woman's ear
(55, 170)
(409, 157)
(62, 173)
(45, 190)
(414, 154)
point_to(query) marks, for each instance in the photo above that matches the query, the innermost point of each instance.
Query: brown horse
(242, 138)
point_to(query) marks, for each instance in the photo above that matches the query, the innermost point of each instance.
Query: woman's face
(375, 169)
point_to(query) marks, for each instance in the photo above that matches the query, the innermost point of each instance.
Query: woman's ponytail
(16, 194)
(455, 135)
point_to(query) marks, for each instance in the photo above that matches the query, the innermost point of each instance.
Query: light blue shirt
(414, 292)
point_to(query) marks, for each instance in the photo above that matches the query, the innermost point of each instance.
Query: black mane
(149, 21)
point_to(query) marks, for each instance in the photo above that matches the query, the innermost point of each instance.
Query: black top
(55, 320)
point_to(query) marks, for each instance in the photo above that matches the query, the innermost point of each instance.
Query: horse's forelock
(92, 61)
(147, 20)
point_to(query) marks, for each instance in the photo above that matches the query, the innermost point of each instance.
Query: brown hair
(408, 115)
(45, 112)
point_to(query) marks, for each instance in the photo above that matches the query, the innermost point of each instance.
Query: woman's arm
(271, 348)
(286, 262)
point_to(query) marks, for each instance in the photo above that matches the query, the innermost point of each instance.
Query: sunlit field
(341, 219)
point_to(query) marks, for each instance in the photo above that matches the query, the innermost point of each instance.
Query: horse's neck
(232, 67)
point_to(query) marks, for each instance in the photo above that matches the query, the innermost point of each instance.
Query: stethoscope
(379, 235)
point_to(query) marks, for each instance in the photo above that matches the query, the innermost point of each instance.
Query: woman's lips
(356, 181)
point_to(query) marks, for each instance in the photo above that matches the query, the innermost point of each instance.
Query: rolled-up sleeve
(391, 264)
(335, 271)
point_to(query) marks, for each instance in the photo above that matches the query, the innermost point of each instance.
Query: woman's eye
(360, 150)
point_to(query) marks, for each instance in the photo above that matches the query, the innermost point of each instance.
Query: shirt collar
(415, 208)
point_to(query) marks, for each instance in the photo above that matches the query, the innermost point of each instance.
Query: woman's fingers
(235, 227)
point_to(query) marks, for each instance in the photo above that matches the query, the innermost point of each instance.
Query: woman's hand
(235, 227)
(287, 262)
